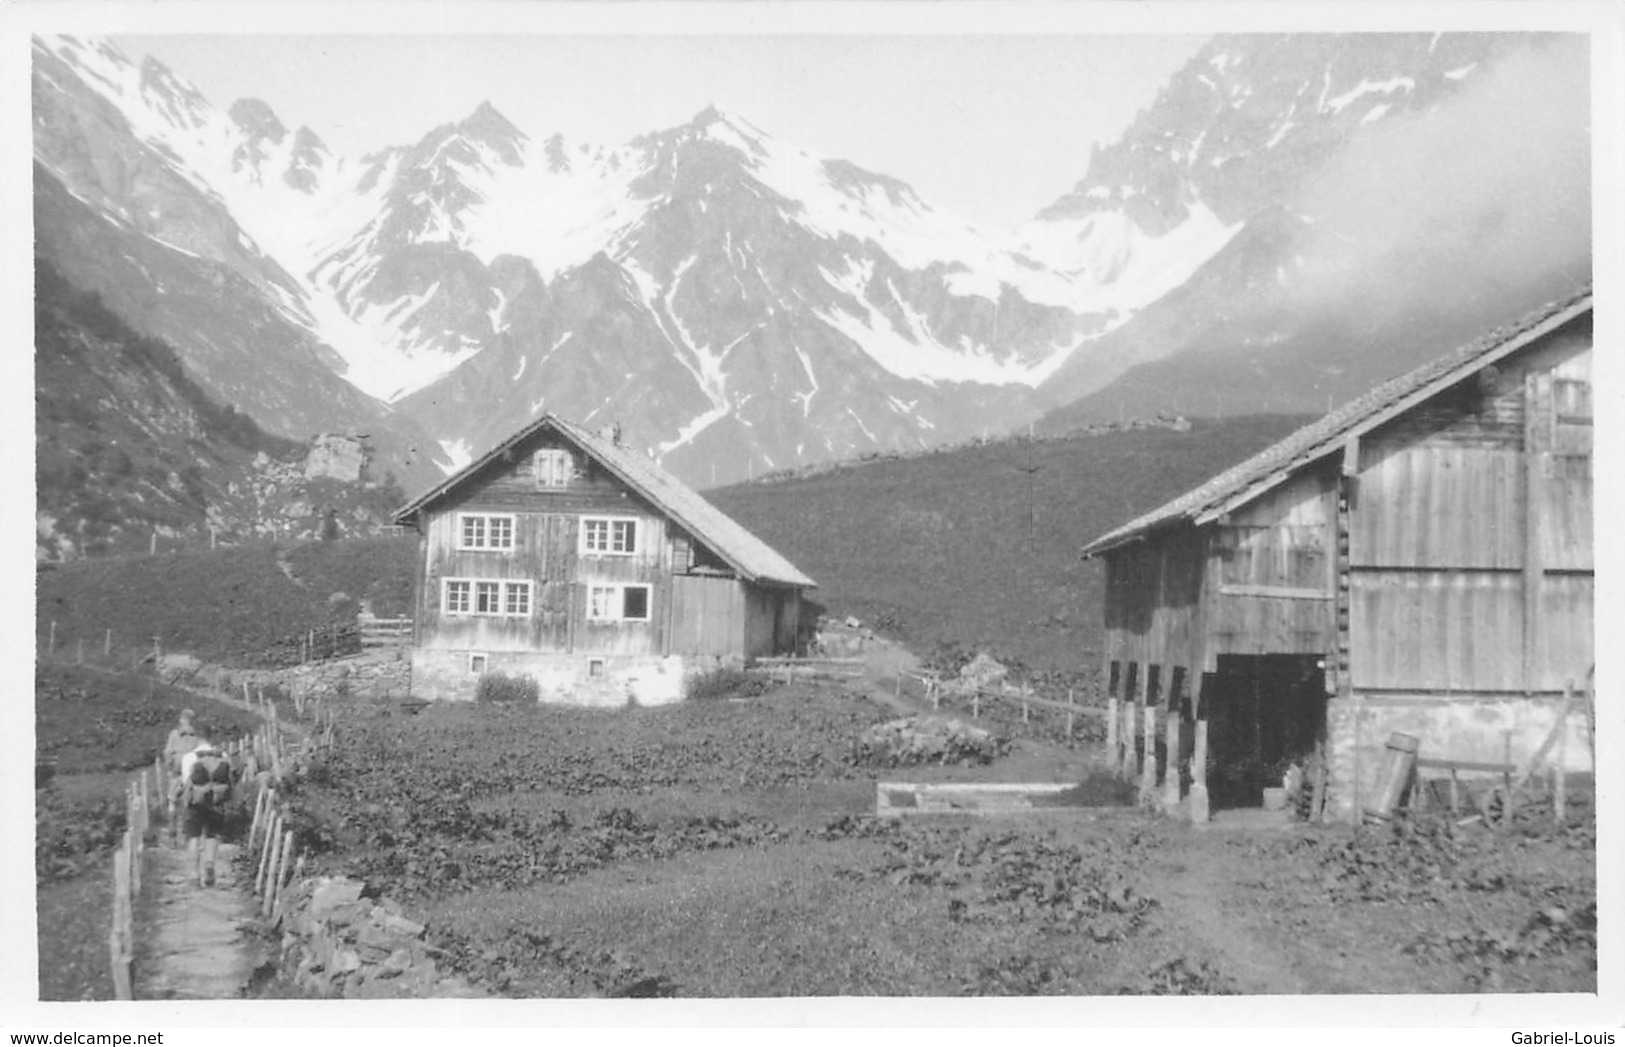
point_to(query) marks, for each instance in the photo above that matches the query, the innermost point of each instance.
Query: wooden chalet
(1417, 561)
(563, 556)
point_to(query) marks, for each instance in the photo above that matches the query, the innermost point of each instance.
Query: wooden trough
(902, 799)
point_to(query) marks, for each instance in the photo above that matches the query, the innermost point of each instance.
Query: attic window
(552, 468)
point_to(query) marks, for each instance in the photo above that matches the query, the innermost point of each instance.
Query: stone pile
(928, 739)
(983, 673)
(337, 943)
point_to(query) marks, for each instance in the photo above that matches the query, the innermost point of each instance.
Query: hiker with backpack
(182, 740)
(207, 779)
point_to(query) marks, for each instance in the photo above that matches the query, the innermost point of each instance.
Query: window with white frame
(618, 603)
(609, 535)
(552, 468)
(476, 664)
(485, 531)
(490, 597)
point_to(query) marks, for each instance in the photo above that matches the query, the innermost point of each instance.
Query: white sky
(990, 128)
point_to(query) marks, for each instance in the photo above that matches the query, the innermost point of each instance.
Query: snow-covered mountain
(1383, 196)
(738, 304)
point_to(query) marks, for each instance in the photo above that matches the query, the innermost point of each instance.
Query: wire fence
(107, 649)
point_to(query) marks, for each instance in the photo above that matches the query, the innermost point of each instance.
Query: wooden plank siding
(1153, 609)
(707, 616)
(1270, 579)
(1471, 542)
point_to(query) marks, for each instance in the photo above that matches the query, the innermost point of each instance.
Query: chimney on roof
(612, 433)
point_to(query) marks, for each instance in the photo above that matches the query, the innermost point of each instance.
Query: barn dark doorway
(1264, 712)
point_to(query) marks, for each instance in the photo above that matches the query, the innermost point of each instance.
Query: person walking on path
(207, 781)
(182, 740)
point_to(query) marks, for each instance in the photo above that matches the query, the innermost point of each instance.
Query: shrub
(502, 689)
(723, 683)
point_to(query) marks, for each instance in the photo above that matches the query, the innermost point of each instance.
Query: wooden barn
(563, 556)
(1417, 561)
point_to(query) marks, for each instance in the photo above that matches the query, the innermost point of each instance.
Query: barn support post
(1170, 766)
(1534, 443)
(1197, 802)
(1148, 762)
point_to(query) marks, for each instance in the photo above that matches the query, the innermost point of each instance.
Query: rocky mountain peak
(177, 99)
(257, 120)
(488, 127)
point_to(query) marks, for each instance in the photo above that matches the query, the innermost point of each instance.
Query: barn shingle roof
(1242, 483)
(753, 558)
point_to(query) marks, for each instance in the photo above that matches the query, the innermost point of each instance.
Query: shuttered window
(553, 468)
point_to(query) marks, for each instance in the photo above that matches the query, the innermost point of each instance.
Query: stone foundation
(573, 679)
(1464, 728)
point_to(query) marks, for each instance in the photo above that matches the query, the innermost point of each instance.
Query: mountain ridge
(742, 305)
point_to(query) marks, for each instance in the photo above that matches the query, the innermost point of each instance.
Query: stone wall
(1464, 728)
(380, 674)
(338, 943)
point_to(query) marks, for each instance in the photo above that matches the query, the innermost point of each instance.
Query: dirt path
(194, 947)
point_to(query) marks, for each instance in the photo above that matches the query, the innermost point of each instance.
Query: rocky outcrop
(337, 457)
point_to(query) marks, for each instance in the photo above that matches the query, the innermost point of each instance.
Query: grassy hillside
(226, 603)
(977, 548)
(127, 444)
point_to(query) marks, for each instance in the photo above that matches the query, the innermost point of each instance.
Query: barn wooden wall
(1471, 535)
(1153, 611)
(1270, 575)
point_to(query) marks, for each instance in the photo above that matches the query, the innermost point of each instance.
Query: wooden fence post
(282, 873)
(1071, 703)
(268, 853)
(1112, 712)
(107, 644)
(1560, 761)
(274, 871)
(254, 826)
(118, 937)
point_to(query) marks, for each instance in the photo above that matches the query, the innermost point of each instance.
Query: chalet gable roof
(1241, 484)
(754, 559)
